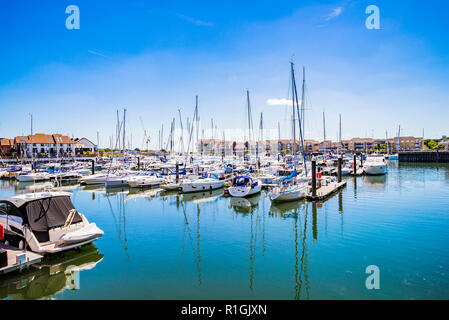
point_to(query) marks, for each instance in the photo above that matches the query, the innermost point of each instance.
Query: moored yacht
(33, 176)
(375, 165)
(243, 186)
(46, 222)
(144, 181)
(288, 192)
(209, 182)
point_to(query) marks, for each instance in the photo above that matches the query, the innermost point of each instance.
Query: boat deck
(326, 191)
(31, 258)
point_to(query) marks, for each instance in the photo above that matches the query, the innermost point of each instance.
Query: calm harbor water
(161, 245)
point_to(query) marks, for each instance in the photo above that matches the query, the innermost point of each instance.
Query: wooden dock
(326, 191)
(31, 258)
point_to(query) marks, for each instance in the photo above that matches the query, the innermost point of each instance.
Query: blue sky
(153, 57)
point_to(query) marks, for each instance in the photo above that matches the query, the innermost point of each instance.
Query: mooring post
(339, 169)
(313, 178)
(355, 164)
(138, 163)
(177, 170)
(93, 166)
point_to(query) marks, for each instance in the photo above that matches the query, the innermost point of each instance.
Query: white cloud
(335, 13)
(281, 102)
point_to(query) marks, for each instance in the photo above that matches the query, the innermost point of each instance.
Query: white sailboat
(296, 190)
(210, 182)
(244, 186)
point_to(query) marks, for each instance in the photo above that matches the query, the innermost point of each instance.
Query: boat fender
(2, 233)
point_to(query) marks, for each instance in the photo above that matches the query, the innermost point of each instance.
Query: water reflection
(52, 276)
(194, 246)
(244, 205)
(203, 197)
(293, 210)
(301, 265)
(148, 194)
(378, 182)
(286, 209)
(119, 219)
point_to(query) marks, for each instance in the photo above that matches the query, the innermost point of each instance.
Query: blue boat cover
(292, 175)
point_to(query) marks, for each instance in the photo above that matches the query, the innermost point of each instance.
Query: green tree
(430, 144)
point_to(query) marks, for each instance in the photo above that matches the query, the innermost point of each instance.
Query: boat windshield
(241, 181)
(47, 213)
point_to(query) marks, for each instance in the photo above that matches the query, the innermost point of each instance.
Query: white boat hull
(375, 169)
(243, 191)
(202, 185)
(291, 194)
(145, 182)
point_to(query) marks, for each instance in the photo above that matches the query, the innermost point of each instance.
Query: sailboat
(296, 190)
(243, 185)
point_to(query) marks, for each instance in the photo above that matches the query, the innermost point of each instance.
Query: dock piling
(355, 164)
(314, 178)
(339, 168)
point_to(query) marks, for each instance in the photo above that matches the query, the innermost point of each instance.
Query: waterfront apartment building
(40, 144)
(369, 144)
(44, 144)
(216, 147)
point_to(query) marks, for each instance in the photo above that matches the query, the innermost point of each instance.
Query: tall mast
(249, 121)
(261, 131)
(324, 132)
(197, 121)
(387, 144)
(303, 110)
(301, 137)
(124, 131)
(182, 131)
(293, 114)
(279, 138)
(32, 153)
(339, 134)
(162, 137)
(118, 133)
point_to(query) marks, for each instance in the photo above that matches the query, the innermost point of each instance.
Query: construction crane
(146, 138)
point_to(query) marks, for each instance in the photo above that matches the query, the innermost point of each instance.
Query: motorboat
(33, 177)
(98, 178)
(208, 182)
(144, 181)
(243, 186)
(46, 222)
(375, 165)
(116, 181)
